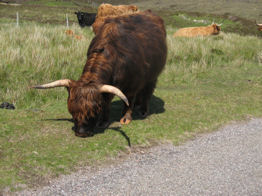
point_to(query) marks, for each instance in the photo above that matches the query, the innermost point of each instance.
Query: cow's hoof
(125, 121)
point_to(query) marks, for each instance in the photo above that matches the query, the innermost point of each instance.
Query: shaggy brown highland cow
(125, 59)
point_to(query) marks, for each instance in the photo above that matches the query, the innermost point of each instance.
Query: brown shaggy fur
(213, 29)
(129, 52)
(111, 10)
(98, 23)
(108, 10)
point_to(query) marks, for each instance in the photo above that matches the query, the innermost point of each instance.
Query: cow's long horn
(111, 89)
(57, 83)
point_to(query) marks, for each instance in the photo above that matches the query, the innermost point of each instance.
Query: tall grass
(33, 54)
(187, 58)
(206, 82)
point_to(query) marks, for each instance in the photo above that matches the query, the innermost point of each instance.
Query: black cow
(85, 19)
(6, 105)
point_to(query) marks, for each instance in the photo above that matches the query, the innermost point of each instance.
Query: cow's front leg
(104, 119)
(127, 112)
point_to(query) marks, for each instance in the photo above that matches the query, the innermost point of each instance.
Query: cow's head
(85, 102)
(80, 17)
(85, 19)
(216, 28)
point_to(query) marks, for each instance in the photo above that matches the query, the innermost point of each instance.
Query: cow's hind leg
(127, 111)
(143, 98)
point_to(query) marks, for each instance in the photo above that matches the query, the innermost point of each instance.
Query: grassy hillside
(250, 9)
(207, 82)
(40, 13)
(236, 16)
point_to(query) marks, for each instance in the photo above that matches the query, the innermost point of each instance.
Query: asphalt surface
(225, 162)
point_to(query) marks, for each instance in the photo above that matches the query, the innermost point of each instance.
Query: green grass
(207, 82)
(185, 20)
(51, 12)
(245, 8)
(51, 3)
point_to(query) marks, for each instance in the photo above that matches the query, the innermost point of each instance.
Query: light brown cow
(259, 26)
(107, 10)
(212, 29)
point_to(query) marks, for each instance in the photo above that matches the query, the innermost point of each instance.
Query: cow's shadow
(156, 106)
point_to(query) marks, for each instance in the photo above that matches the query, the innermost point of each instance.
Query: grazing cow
(107, 10)
(212, 29)
(259, 26)
(85, 19)
(125, 59)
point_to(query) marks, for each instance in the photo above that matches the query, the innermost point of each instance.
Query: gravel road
(226, 162)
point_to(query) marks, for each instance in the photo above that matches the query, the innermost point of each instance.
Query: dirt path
(226, 162)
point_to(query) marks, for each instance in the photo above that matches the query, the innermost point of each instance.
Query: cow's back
(105, 10)
(134, 46)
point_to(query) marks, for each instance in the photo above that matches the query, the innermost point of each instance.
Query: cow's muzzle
(84, 132)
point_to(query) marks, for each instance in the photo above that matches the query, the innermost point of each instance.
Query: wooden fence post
(17, 19)
(67, 23)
